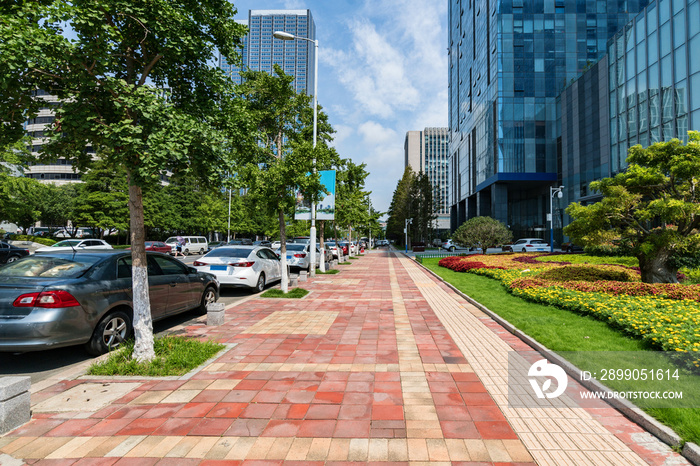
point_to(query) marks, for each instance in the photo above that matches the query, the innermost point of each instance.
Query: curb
(690, 451)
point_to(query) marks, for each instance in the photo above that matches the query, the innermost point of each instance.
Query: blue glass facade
(644, 90)
(262, 51)
(654, 84)
(509, 60)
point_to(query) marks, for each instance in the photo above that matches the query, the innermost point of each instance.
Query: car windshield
(229, 252)
(171, 240)
(66, 243)
(296, 247)
(50, 267)
(331, 244)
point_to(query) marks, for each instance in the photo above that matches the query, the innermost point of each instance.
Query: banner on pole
(325, 208)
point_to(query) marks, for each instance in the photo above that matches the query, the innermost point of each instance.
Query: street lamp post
(228, 231)
(312, 233)
(559, 193)
(369, 205)
(405, 230)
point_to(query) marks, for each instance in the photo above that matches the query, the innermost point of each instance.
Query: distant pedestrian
(178, 248)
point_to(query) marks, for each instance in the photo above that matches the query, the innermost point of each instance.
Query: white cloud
(375, 134)
(374, 71)
(342, 132)
(294, 5)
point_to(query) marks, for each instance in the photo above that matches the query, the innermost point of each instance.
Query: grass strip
(294, 293)
(328, 272)
(345, 263)
(174, 356)
(562, 330)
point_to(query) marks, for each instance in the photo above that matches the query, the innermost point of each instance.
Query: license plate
(218, 267)
(289, 258)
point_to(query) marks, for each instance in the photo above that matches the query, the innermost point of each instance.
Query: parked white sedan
(529, 245)
(251, 266)
(76, 245)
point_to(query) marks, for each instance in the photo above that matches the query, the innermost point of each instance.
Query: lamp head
(560, 194)
(282, 35)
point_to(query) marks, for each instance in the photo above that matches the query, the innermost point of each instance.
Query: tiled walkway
(380, 363)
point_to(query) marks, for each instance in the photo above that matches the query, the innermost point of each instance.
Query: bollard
(15, 407)
(293, 282)
(302, 275)
(215, 314)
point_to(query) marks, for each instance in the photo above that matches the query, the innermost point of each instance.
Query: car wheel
(261, 283)
(452, 249)
(208, 297)
(12, 259)
(110, 333)
(524, 250)
(201, 252)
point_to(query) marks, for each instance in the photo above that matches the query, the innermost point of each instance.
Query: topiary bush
(585, 273)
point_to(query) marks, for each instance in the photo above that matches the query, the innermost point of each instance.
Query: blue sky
(382, 72)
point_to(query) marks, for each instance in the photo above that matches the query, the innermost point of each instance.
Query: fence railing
(434, 254)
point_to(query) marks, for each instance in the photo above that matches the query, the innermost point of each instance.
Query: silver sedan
(298, 256)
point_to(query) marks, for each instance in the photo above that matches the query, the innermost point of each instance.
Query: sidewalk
(379, 363)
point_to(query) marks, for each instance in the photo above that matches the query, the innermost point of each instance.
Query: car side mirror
(191, 270)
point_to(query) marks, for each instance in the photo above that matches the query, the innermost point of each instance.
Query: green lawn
(174, 356)
(561, 330)
(294, 293)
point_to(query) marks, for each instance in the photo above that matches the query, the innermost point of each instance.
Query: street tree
(351, 199)
(423, 207)
(652, 208)
(133, 77)
(482, 232)
(400, 207)
(57, 205)
(283, 161)
(103, 201)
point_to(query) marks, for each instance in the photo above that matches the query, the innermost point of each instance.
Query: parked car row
(521, 245)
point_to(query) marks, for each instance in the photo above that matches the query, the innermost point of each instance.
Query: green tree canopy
(652, 208)
(284, 159)
(400, 207)
(482, 232)
(134, 77)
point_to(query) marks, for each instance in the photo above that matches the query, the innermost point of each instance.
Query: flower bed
(666, 315)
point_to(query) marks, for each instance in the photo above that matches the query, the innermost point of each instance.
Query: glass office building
(654, 84)
(509, 61)
(262, 51)
(645, 90)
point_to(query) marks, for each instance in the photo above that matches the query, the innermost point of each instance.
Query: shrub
(588, 274)
(35, 239)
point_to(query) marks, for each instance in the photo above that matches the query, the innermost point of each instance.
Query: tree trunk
(284, 284)
(322, 247)
(143, 324)
(657, 268)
